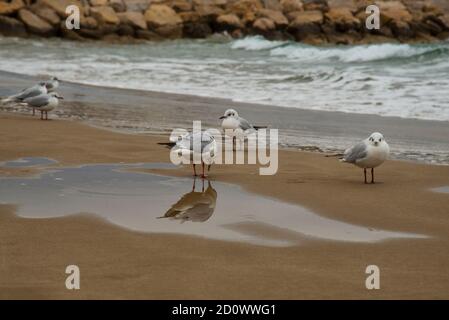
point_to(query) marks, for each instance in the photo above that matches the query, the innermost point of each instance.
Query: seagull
(369, 153)
(44, 103)
(52, 84)
(33, 91)
(239, 126)
(194, 206)
(188, 144)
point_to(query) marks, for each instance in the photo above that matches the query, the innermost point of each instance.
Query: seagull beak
(61, 98)
(222, 117)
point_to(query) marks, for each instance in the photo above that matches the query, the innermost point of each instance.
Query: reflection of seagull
(235, 125)
(369, 153)
(52, 84)
(33, 91)
(194, 206)
(44, 103)
(189, 146)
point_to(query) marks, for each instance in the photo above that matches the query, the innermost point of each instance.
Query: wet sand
(158, 113)
(119, 263)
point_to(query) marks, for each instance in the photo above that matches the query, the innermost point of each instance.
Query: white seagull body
(201, 144)
(44, 103)
(368, 154)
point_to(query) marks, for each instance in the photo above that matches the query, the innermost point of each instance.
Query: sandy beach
(118, 263)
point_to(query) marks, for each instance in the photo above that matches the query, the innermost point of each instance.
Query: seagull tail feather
(167, 144)
(334, 155)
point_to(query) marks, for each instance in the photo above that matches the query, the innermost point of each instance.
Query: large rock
(105, 15)
(342, 19)
(181, 5)
(12, 27)
(98, 3)
(35, 24)
(229, 22)
(9, 8)
(315, 5)
(291, 5)
(306, 25)
(276, 16)
(134, 19)
(245, 9)
(88, 23)
(210, 2)
(159, 15)
(164, 21)
(273, 5)
(209, 12)
(264, 25)
(307, 17)
(190, 16)
(393, 11)
(46, 13)
(60, 6)
(137, 5)
(197, 30)
(118, 5)
(352, 5)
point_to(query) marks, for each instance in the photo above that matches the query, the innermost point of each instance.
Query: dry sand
(118, 263)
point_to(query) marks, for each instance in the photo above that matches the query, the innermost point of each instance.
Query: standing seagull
(369, 153)
(188, 146)
(44, 103)
(239, 126)
(33, 91)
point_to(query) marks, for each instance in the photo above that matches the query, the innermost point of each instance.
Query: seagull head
(230, 113)
(376, 138)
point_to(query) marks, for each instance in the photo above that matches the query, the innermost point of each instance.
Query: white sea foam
(388, 79)
(363, 53)
(256, 43)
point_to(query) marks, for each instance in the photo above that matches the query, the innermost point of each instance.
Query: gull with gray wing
(368, 154)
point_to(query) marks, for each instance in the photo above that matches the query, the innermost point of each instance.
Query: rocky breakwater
(309, 21)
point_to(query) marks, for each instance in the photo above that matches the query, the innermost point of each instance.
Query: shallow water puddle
(153, 203)
(444, 189)
(28, 162)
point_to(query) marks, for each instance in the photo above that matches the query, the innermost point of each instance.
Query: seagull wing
(244, 124)
(355, 153)
(38, 101)
(30, 92)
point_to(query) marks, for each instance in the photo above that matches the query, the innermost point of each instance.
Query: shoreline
(401, 201)
(152, 112)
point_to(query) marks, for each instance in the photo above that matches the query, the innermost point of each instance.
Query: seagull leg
(364, 171)
(34, 111)
(42, 115)
(202, 188)
(202, 166)
(233, 143)
(194, 181)
(208, 167)
(372, 175)
(46, 115)
(194, 170)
